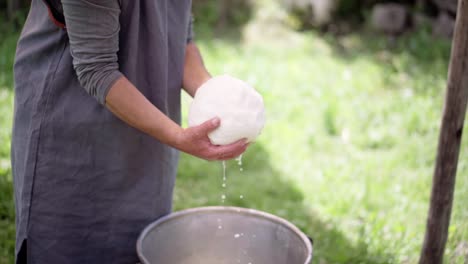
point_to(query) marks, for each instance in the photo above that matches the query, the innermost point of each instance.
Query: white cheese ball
(237, 104)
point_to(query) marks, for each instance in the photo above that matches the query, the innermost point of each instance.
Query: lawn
(7, 228)
(348, 150)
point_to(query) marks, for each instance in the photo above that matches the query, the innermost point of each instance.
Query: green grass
(7, 218)
(348, 150)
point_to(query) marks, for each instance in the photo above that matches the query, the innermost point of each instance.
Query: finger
(215, 152)
(232, 155)
(208, 126)
(235, 154)
(230, 151)
(231, 147)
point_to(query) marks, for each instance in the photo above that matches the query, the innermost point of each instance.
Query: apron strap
(55, 12)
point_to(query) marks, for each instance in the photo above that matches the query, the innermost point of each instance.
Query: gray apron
(86, 183)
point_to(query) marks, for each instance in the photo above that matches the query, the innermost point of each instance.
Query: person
(96, 128)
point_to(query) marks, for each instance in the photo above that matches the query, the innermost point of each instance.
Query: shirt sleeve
(190, 33)
(93, 29)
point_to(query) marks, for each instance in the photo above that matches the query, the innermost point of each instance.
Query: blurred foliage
(11, 9)
(221, 14)
(348, 13)
(357, 9)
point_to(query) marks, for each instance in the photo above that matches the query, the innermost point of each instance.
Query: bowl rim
(241, 210)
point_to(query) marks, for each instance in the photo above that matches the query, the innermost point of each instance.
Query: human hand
(195, 141)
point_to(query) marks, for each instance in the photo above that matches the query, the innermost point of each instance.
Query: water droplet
(223, 197)
(239, 160)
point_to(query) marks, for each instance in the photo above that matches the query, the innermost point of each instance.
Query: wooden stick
(449, 144)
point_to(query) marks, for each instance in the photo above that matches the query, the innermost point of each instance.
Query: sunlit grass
(349, 145)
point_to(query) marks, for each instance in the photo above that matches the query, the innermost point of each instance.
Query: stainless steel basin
(223, 235)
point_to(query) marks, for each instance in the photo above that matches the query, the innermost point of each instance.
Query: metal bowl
(214, 235)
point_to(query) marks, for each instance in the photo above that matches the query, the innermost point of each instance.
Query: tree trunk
(449, 144)
(223, 8)
(12, 7)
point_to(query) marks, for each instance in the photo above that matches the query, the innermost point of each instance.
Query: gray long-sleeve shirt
(93, 28)
(85, 182)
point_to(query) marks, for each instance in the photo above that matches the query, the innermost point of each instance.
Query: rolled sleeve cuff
(106, 83)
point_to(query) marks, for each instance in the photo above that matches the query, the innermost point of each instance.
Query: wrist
(167, 132)
(206, 77)
(176, 138)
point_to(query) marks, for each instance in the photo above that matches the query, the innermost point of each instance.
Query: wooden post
(450, 136)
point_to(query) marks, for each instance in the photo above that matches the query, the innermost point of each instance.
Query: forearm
(127, 103)
(195, 73)
(93, 30)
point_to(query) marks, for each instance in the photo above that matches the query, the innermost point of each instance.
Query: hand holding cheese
(237, 104)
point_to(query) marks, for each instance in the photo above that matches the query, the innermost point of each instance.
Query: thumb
(209, 126)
